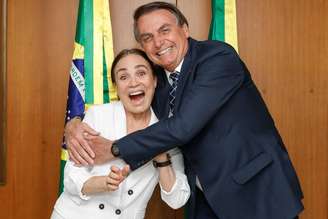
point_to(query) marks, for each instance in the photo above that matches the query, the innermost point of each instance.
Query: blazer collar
(160, 100)
(186, 70)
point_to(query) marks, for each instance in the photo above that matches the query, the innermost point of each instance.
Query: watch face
(115, 150)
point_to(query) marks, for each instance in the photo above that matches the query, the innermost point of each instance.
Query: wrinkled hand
(78, 147)
(101, 148)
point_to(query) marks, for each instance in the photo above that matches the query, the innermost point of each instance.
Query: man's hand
(101, 148)
(79, 149)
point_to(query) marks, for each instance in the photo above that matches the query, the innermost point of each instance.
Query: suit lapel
(160, 101)
(184, 75)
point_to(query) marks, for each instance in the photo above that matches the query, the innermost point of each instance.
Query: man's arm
(217, 78)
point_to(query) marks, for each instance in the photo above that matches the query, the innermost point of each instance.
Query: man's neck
(178, 69)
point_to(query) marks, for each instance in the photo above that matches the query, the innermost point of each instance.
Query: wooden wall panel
(285, 45)
(40, 42)
(3, 17)
(198, 14)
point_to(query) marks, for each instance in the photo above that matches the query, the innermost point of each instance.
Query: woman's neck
(138, 121)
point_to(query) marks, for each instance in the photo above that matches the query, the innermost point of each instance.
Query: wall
(284, 44)
(40, 42)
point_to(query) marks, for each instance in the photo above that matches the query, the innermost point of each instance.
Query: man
(235, 160)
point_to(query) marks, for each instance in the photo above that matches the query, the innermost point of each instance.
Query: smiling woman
(3, 7)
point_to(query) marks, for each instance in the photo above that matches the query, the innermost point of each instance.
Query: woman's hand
(116, 176)
(109, 183)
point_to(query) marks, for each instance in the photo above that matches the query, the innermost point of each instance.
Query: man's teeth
(164, 51)
(136, 93)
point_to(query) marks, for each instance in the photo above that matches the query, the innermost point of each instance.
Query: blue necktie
(174, 76)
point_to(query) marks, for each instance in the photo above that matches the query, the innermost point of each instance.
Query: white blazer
(130, 200)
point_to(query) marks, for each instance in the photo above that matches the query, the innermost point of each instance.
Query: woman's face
(135, 83)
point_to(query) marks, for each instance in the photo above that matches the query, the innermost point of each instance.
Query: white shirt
(131, 199)
(177, 69)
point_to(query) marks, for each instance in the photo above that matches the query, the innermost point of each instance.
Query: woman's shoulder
(104, 113)
(112, 106)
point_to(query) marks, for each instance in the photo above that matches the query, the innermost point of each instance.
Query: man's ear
(155, 81)
(186, 30)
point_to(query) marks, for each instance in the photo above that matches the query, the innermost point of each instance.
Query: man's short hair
(154, 6)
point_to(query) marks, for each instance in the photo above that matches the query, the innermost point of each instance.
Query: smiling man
(162, 39)
(236, 162)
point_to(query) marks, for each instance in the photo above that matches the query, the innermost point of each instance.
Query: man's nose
(158, 41)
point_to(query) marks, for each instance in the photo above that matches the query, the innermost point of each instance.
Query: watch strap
(161, 164)
(164, 163)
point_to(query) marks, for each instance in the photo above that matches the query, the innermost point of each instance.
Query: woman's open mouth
(136, 96)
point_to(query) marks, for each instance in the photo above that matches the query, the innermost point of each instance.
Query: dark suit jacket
(226, 134)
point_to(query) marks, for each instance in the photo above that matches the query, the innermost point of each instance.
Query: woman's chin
(137, 108)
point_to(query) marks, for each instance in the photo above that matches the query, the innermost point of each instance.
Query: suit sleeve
(215, 79)
(180, 192)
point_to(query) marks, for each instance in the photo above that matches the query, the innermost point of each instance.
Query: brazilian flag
(224, 22)
(90, 81)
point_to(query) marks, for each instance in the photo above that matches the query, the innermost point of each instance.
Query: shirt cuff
(79, 180)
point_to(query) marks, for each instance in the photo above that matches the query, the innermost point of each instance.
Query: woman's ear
(155, 79)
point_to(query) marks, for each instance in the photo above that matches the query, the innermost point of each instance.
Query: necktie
(174, 76)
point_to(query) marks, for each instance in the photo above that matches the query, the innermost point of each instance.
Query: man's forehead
(154, 29)
(156, 20)
(157, 16)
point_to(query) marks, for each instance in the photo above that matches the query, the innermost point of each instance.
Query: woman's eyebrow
(141, 65)
(121, 69)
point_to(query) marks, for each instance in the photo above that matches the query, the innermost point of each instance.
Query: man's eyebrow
(145, 35)
(164, 26)
(159, 29)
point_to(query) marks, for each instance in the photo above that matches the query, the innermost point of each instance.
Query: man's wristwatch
(115, 150)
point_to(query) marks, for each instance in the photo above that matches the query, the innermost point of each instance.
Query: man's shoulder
(212, 51)
(212, 47)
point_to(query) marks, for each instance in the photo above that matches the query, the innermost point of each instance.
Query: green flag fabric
(90, 81)
(224, 22)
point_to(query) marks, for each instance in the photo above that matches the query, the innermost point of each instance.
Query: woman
(98, 191)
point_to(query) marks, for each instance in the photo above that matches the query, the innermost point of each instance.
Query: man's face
(164, 41)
